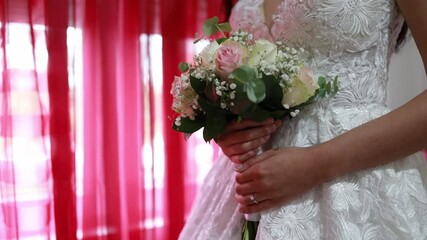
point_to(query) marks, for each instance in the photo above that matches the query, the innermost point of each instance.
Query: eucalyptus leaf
(221, 40)
(210, 27)
(225, 27)
(255, 91)
(183, 67)
(243, 74)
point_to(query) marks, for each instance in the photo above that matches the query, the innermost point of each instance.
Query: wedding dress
(353, 39)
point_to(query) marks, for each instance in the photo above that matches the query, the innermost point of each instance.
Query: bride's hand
(276, 177)
(241, 140)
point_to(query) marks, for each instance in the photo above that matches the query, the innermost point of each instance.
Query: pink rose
(229, 56)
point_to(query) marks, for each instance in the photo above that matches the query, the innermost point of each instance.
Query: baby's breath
(242, 37)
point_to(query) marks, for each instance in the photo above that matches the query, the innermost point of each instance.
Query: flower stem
(249, 230)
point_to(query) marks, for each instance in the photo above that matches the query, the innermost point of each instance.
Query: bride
(346, 167)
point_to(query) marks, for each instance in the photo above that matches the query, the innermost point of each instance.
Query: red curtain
(135, 185)
(86, 146)
(37, 161)
(180, 20)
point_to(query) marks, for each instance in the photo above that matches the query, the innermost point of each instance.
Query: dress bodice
(352, 39)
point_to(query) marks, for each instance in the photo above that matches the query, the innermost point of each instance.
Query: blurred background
(86, 146)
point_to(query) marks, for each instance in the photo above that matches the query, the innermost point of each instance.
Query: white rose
(303, 86)
(207, 55)
(263, 50)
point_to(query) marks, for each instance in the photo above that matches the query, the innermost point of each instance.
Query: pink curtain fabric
(113, 197)
(180, 20)
(135, 178)
(36, 163)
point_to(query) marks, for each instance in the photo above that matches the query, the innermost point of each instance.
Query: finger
(249, 187)
(251, 162)
(247, 200)
(260, 206)
(242, 158)
(246, 135)
(243, 148)
(278, 123)
(246, 123)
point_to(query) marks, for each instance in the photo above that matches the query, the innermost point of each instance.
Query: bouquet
(236, 77)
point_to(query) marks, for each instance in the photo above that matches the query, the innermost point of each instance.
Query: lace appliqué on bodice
(342, 37)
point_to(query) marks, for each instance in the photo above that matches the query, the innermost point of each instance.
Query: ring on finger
(252, 198)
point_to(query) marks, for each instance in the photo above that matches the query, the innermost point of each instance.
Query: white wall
(407, 75)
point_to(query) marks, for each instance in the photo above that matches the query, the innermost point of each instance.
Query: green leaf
(206, 105)
(258, 114)
(210, 26)
(335, 86)
(221, 40)
(183, 67)
(215, 125)
(322, 92)
(279, 114)
(241, 101)
(225, 27)
(321, 81)
(243, 74)
(328, 88)
(198, 85)
(255, 91)
(254, 88)
(188, 125)
(239, 118)
(336, 81)
(273, 92)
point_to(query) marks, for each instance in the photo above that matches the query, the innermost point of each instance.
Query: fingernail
(238, 166)
(273, 128)
(270, 120)
(234, 159)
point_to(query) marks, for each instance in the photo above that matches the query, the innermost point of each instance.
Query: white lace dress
(354, 40)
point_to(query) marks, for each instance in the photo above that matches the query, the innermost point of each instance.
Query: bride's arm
(278, 176)
(395, 135)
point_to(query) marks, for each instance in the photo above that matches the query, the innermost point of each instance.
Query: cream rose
(207, 55)
(303, 87)
(263, 50)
